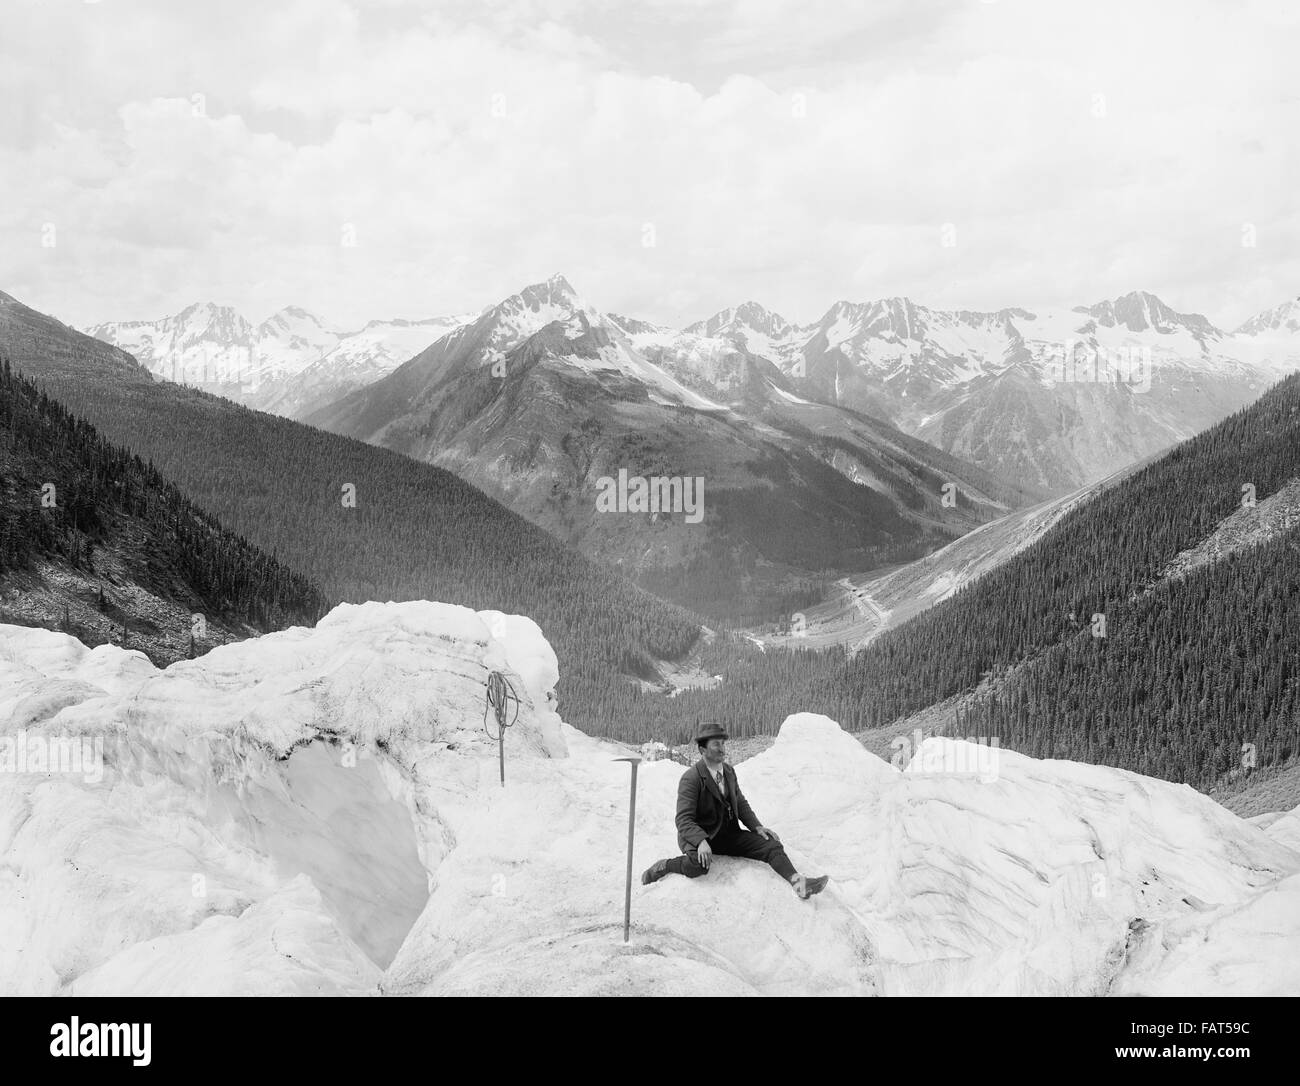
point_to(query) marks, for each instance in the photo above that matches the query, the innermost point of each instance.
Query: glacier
(319, 812)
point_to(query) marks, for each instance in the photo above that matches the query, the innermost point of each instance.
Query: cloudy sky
(377, 158)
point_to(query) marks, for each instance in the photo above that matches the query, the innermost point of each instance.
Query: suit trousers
(731, 840)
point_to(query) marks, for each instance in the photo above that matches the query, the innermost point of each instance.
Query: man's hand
(765, 833)
(704, 854)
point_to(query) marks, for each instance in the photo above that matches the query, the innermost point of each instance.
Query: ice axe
(631, 829)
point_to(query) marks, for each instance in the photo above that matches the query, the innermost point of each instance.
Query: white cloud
(1076, 154)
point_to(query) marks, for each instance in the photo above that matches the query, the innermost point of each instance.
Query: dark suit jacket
(701, 810)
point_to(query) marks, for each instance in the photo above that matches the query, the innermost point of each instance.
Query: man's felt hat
(709, 731)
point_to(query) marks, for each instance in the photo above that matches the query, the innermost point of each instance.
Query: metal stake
(631, 829)
(500, 693)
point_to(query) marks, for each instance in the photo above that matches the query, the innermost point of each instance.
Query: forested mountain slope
(1102, 648)
(98, 543)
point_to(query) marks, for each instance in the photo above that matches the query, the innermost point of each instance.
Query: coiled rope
(500, 693)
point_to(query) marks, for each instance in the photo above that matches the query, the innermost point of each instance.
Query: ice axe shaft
(631, 830)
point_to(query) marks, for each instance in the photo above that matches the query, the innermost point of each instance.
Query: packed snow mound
(1086, 866)
(241, 822)
(320, 811)
(1282, 826)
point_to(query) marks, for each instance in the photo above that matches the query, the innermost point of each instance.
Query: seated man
(708, 800)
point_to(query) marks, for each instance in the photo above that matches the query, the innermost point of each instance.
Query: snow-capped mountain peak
(549, 322)
(746, 317)
(556, 291)
(292, 319)
(900, 320)
(1282, 319)
(749, 327)
(526, 313)
(895, 318)
(296, 333)
(1141, 311)
(208, 320)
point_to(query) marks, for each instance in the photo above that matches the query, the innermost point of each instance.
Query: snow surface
(319, 811)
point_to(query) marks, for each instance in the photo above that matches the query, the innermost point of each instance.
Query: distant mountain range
(1054, 399)
(543, 396)
(290, 364)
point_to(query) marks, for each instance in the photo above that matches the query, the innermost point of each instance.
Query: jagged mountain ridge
(1058, 398)
(543, 396)
(994, 388)
(289, 364)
